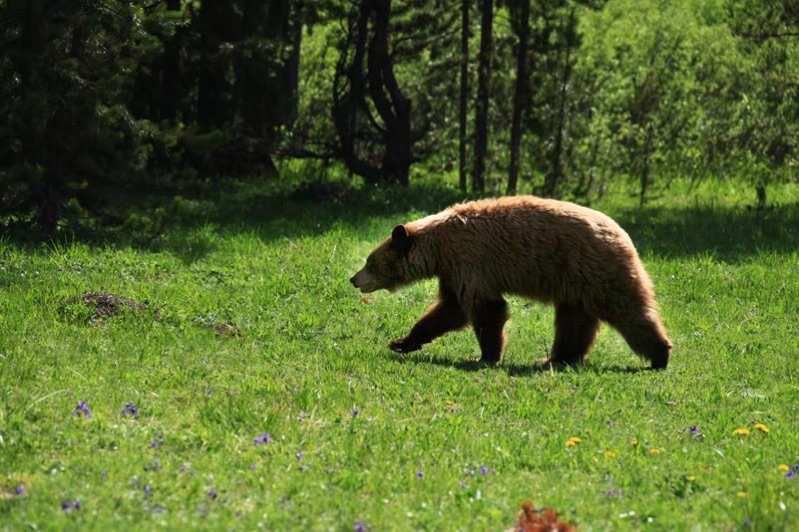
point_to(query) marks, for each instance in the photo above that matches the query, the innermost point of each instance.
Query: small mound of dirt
(225, 329)
(106, 305)
(540, 520)
(221, 328)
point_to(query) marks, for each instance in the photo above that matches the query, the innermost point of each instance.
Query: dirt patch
(104, 305)
(221, 328)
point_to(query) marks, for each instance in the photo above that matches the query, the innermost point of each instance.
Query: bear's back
(543, 248)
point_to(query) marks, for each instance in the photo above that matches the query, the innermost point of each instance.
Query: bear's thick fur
(553, 251)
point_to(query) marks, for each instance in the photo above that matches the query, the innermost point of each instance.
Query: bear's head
(387, 267)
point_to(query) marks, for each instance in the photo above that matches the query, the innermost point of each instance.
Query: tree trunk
(464, 95)
(760, 190)
(646, 164)
(170, 75)
(47, 195)
(483, 82)
(395, 110)
(211, 83)
(555, 174)
(293, 66)
(519, 95)
(350, 89)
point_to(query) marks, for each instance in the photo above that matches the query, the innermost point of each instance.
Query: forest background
(102, 100)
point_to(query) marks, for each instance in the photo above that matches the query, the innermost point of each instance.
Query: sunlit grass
(358, 434)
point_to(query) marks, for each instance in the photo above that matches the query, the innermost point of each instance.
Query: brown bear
(553, 251)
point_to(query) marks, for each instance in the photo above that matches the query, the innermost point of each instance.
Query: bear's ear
(400, 239)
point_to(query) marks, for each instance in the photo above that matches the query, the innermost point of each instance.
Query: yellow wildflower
(573, 441)
(742, 494)
(761, 427)
(743, 432)
(610, 455)
(654, 451)
(783, 468)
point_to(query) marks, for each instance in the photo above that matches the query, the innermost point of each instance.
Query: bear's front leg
(489, 319)
(444, 316)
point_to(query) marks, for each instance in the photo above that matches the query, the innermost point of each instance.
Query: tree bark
(555, 174)
(464, 93)
(519, 95)
(394, 110)
(170, 75)
(211, 85)
(483, 82)
(351, 87)
(46, 195)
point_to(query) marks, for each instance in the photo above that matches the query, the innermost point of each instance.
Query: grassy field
(251, 327)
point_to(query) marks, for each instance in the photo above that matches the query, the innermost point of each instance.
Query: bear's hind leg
(489, 319)
(575, 331)
(442, 317)
(646, 336)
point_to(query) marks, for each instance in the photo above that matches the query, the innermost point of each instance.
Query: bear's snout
(364, 282)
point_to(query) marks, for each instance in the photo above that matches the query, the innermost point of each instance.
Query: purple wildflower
(695, 432)
(793, 472)
(130, 410)
(360, 526)
(262, 439)
(419, 474)
(82, 410)
(156, 442)
(69, 505)
(19, 490)
(212, 494)
(484, 470)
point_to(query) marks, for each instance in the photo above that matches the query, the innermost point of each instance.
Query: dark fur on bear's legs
(575, 331)
(441, 318)
(489, 319)
(647, 337)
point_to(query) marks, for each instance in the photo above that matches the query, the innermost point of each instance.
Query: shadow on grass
(515, 370)
(730, 234)
(187, 227)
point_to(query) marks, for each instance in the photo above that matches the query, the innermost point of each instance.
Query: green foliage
(102, 95)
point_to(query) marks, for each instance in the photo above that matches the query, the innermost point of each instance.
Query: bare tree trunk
(519, 95)
(483, 82)
(394, 110)
(647, 157)
(170, 75)
(555, 174)
(211, 83)
(47, 195)
(464, 96)
(293, 65)
(392, 106)
(760, 190)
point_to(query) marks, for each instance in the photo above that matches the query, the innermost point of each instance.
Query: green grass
(310, 367)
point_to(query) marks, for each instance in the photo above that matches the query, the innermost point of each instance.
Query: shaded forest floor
(199, 324)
